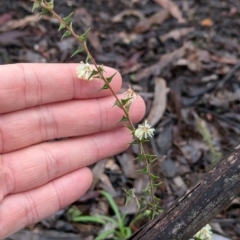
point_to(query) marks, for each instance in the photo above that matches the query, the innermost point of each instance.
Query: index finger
(31, 84)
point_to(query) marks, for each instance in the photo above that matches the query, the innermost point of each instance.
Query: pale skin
(41, 102)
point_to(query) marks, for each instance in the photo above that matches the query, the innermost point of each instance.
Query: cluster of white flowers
(144, 131)
(204, 234)
(84, 71)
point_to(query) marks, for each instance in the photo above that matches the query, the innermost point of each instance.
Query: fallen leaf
(176, 34)
(164, 61)
(207, 22)
(127, 165)
(21, 23)
(145, 23)
(172, 8)
(225, 60)
(97, 171)
(159, 102)
(119, 17)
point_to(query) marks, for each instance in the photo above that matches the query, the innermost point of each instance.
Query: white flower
(84, 71)
(204, 234)
(129, 94)
(144, 131)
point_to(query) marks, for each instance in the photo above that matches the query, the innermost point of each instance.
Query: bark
(199, 205)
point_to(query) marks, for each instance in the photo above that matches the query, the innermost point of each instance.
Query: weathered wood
(199, 205)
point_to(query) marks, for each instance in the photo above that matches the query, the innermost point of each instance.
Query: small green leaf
(68, 18)
(94, 73)
(130, 128)
(43, 12)
(66, 34)
(127, 108)
(123, 119)
(139, 157)
(61, 26)
(35, 6)
(104, 87)
(153, 177)
(92, 219)
(150, 156)
(101, 69)
(143, 170)
(134, 142)
(80, 49)
(155, 185)
(88, 57)
(116, 103)
(109, 79)
(152, 161)
(124, 101)
(83, 37)
(51, 4)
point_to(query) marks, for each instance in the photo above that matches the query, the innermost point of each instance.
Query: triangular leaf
(35, 6)
(83, 37)
(130, 128)
(123, 119)
(104, 87)
(80, 49)
(66, 34)
(124, 101)
(94, 72)
(51, 4)
(134, 142)
(143, 170)
(61, 26)
(116, 103)
(68, 18)
(88, 58)
(127, 107)
(109, 79)
(139, 157)
(43, 12)
(153, 177)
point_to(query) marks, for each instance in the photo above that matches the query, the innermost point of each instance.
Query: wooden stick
(199, 205)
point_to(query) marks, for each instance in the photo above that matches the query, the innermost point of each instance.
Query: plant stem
(45, 5)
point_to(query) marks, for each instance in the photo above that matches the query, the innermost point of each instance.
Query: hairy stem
(45, 5)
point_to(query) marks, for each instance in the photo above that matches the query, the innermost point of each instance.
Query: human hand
(41, 102)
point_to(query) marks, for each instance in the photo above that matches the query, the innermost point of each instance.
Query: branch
(199, 205)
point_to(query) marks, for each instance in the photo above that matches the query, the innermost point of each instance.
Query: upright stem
(45, 5)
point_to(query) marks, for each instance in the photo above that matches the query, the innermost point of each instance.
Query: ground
(182, 58)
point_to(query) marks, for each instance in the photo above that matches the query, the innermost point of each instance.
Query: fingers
(29, 207)
(67, 119)
(36, 165)
(28, 85)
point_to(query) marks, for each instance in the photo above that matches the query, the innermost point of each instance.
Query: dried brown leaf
(159, 102)
(145, 23)
(21, 23)
(176, 34)
(172, 8)
(119, 17)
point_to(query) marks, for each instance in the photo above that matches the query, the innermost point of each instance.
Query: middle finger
(57, 120)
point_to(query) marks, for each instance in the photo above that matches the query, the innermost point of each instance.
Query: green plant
(119, 231)
(89, 72)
